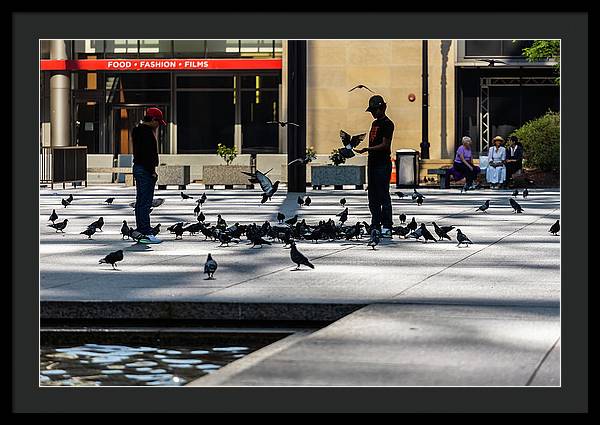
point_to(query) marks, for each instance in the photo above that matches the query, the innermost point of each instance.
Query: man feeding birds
(379, 167)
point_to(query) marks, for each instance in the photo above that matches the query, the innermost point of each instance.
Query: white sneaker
(152, 239)
(386, 233)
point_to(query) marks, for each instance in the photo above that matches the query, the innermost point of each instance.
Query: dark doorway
(123, 120)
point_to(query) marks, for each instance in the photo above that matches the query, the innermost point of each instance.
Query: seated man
(514, 156)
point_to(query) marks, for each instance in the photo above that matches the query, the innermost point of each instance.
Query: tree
(542, 50)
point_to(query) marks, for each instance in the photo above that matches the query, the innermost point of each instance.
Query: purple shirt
(467, 154)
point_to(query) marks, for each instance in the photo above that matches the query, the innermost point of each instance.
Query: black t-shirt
(383, 127)
(145, 149)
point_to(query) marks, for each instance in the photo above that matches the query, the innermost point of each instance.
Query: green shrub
(311, 154)
(228, 154)
(541, 142)
(336, 157)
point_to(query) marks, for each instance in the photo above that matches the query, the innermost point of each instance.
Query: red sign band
(158, 64)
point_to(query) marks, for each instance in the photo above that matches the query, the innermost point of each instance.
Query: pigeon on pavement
(426, 233)
(300, 201)
(400, 194)
(109, 201)
(280, 217)
(343, 215)
(59, 226)
(202, 200)
(515, 193)
(307, 201)
(462, 238)
(292, 220)
(53, 216)
(441, 232)
(525, 193)
(97, 224)
(298, 258)
(374, 240)
(555, 228)
(185, 196)
(412, 225)
(112, 258)
(125, 230)
(343, 202)
(515, 205)
(65, 202)
(210, 267)
(402, 218)
(484, 206)
(89, 232)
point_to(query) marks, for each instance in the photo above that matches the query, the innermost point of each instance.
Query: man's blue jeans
(144, 184)
(380, 203)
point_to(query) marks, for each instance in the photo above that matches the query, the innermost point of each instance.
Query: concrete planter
(338, 175)
(227, 175)
(173, 175)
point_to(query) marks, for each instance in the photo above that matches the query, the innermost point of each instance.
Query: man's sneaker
(151, 239)
(386, 233)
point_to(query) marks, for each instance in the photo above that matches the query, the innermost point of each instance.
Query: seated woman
(463, 162)
(496, 170)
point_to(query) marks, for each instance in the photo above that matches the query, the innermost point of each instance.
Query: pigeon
(343, 202)
(419, 200)
(402, 217)
(201, 217)
(135, 235)
(400, 195)
(259, 241)
(280, 217)
(300, 201)
(374, 240)
(184, 196)
(89, 232)
(412, 225)
(112, 258)
(491, 62)
(484, 207)
(53, 216)
(97, 224)
(155, 230)
(343, 215)
(298, 258)
(65, 202)
(515, 193)
(283, 123)
(360, 86)
(426, 233)
(401, 231)
(462, 238)
(416, 194)
(221, 221)
(525, 193)
(555, 228)
(307, 201)
(70, 199)
(350, 143)
(442, 232)
(125, 230)
(224, 238)
(292, 220)
(109, 201)
(269, 188)
(210, 267)
(59, 226)
(202, 200)
(416, 234)
(302, 161)
(515, 205)
(197, 209)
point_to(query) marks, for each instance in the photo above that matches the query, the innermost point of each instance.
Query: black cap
(375, 102)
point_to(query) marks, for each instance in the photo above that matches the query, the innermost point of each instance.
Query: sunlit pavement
(435, 314)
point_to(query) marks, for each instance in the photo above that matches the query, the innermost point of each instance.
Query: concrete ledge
(165, 310)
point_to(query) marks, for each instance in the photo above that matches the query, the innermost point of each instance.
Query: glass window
(45, 49)
(258, 107)
(198, 82)
(140, 80)
(140, 96)
(204, 119)
(191, 48)
(485, 48)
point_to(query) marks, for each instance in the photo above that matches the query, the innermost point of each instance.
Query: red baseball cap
(156, 114)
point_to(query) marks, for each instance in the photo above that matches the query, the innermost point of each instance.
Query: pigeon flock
(287, 231)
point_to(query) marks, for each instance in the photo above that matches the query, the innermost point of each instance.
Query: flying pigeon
(268, 187)
(515, 205)
(109, 201)
(59, 226)
(374, 240)
(210, 267)
(185, 196)
(305, 160)
(125, 230)
(360, 86)
(112, 258)
(283, 123)
(462, 238)
(402, 217)
(555, 228)
(491, 62)
(401, 231)
(350, 143)
(298, 258)
(53, 216)
(89, 232)
(484, 207)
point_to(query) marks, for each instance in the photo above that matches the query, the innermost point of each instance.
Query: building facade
(224, 91)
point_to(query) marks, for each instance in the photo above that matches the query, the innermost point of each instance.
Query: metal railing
(65, 164)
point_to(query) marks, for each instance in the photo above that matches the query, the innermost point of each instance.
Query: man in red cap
(145, 160)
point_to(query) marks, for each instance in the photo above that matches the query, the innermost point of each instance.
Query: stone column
(60, 98)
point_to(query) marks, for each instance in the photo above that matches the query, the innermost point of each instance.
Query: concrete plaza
(422, 313)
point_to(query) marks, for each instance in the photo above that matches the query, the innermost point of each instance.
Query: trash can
(407, 168)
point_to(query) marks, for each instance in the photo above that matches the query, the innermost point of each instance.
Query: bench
(446, 173)
(128, 171)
